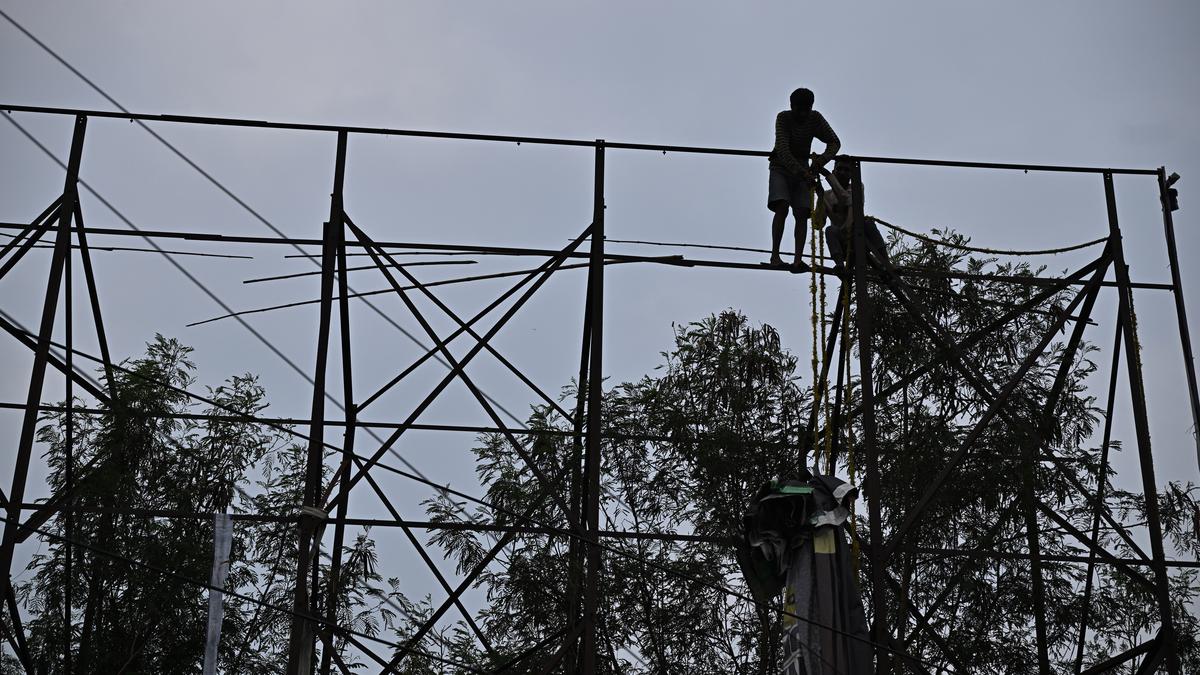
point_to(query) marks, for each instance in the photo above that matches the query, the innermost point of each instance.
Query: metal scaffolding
(575, 489)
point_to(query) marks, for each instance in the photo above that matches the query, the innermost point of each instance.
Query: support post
(593, 446)
(1133, 364)
(879, 600)
(339, 530)
(574, 547)
(69, 460)
(300, 645)
(62, 249)
(1185, 338)
(1101, 482)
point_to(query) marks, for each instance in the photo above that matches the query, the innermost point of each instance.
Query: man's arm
(835, 184)
(783, 146)
(824, 133)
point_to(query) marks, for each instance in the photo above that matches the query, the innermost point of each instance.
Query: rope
(980, 249)
(824, 340)
(812, 292)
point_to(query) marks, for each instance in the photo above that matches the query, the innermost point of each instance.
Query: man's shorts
(782, 187)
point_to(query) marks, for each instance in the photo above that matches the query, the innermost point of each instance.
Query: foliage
(726, 412)
(140, 469)
(685, 447)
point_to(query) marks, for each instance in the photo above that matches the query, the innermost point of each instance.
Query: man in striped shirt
(791, 176)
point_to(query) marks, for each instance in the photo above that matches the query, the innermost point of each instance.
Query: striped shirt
(793, 141)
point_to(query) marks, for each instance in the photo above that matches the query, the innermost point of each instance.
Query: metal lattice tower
(319, 518)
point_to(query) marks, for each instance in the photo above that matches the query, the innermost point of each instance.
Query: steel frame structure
(575, 489)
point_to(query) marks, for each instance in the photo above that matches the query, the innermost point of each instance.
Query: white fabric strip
(222, 542)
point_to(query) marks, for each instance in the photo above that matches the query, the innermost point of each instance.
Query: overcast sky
(1084, 83)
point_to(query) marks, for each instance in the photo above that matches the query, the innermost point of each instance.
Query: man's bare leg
(801, 231)
(778, 221)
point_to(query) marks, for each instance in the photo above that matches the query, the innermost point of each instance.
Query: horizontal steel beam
(674, 261)
(537, 140)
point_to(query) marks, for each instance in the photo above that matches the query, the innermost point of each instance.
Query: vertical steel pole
(1137, 390)
(301, 639)
(864, 315)
(1189, 361)
(1033, 541)
(69, 459)
(62, 247)
(574, 546)
(1101, 482)
(339, 530)
(591, 590)
(89, 276)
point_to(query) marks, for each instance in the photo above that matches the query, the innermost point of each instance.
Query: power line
(979, 249)
(297, 275)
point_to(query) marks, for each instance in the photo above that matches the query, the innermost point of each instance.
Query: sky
(1097, 83)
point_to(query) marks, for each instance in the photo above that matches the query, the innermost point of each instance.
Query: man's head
(843, 170)
(802, 101)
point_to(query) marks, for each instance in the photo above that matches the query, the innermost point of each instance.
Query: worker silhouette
(791, 175)
(839, 207)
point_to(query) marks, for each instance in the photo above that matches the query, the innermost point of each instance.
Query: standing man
(791, 176)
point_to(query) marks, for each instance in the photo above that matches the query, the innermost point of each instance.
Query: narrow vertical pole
(591, 590)
(339, 530)
(1185, 338)
(575, 546)
(89, 276)
(69, 459)
(1033, 542)
(865, 319)
(1137, 390)
(62, 247)
(1101, 482)
(301, 639)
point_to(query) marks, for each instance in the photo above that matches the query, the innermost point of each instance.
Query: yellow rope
(825, 407)
(812, 292)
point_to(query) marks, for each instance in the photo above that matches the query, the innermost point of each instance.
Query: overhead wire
(384, 291)
(297, 275)
(981, 249)
(350, 255)
(128, 249)
(220, 186)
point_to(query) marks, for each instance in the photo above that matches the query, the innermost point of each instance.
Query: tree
(726, 412)
(687, 446)
(137, 549)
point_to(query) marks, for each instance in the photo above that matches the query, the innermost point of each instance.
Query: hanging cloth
(794, 541)
(822, 588)
(222, 543)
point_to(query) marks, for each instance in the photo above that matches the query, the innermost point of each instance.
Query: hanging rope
(825, 407)
(980, 249)
(817, 394)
